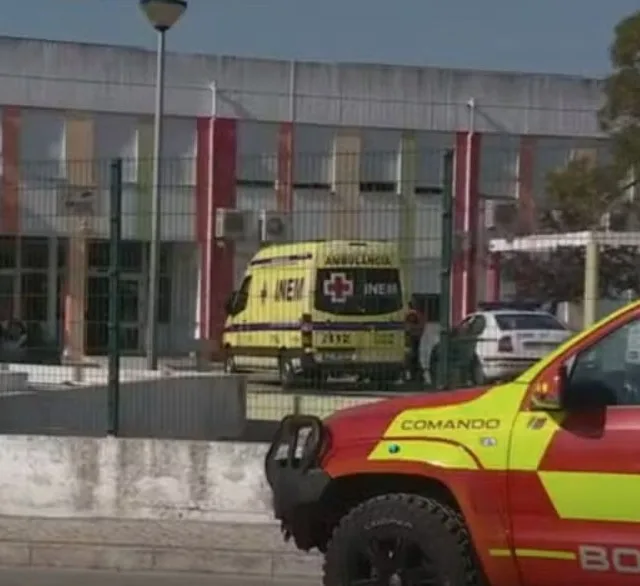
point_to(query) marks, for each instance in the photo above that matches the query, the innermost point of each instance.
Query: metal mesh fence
(303, 281)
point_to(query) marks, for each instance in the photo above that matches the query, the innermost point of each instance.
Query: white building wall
(376, 100)
(113, 79)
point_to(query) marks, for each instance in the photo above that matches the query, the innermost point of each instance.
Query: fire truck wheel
(400, 539)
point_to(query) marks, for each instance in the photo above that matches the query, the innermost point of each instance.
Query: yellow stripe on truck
(434, 453)
(547, 554)
(533, 432)
(482, 426)
(600, 497)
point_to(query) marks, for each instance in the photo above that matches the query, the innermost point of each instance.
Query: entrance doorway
(131, 314)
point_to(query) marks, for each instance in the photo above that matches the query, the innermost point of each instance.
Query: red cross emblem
(338, 287)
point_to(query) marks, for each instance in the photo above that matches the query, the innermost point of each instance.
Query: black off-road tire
(438, 528)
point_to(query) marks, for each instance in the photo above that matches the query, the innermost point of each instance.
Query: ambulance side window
(242, 296)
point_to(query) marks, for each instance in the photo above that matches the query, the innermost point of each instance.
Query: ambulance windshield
(359, 291)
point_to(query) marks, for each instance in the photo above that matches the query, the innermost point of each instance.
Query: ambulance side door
(241, 313)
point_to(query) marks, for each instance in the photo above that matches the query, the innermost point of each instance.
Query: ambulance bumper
(349, 363)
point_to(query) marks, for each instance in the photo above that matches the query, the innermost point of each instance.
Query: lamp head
(163, 14)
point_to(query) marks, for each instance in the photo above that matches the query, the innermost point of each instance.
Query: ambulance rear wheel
(400, 539)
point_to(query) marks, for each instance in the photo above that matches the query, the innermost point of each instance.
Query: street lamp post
(162, 14)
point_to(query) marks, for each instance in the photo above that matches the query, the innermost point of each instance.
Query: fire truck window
(615, 362)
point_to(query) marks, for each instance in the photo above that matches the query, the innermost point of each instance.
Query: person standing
(415, 324)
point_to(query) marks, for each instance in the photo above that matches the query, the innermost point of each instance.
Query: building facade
(344, 150)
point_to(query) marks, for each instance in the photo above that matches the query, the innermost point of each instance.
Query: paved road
(49, 577)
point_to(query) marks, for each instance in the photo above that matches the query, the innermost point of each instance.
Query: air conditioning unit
(232, 224)
(274, 226)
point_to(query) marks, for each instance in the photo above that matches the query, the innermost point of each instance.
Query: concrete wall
(140, 505)
(67, 477)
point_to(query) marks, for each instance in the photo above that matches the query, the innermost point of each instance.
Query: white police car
(500, 343)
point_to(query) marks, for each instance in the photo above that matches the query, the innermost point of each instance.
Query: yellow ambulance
(311, 310)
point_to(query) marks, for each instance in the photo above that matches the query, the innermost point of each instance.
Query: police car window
(615, 361)
(528, 321)
(358, 291)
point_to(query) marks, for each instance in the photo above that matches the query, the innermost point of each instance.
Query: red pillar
(215, 188)
(465, 219)
(284, 183)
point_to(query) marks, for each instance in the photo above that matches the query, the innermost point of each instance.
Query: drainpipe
(205, 329)
(467, 219)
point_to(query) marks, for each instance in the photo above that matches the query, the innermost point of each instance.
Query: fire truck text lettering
(622, 560)
(449, 424)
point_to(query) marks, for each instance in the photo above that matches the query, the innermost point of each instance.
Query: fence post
(446, 256)
(115, 236)
(591, 284)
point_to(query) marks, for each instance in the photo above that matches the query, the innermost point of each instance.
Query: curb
(251, 550)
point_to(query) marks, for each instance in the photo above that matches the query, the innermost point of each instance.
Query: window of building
(7, 283)
(313, 154)
(34, 296)
(34, 253)
(8, 252)
(379, 160)
(98, 255)
(131, 256)
(164, 300)
(257, 159)
(164, 284)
